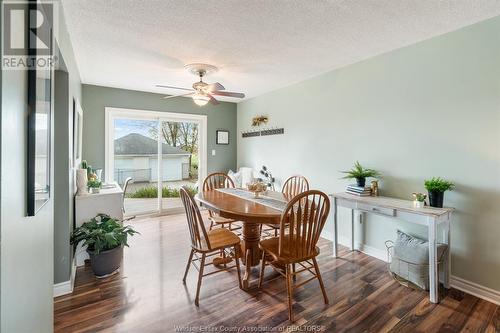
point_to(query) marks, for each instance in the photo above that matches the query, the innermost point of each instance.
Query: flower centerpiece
(257, 188)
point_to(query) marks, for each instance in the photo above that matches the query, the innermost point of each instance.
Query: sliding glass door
(158, 153)
(180, 161)
(135, 157)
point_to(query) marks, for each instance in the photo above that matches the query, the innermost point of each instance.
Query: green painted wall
(430, 109)
(67, 87)
(96, 98)
(29, 245)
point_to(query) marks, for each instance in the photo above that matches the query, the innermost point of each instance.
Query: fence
(138, 175)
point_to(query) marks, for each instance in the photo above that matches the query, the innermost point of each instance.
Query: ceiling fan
(202, 92)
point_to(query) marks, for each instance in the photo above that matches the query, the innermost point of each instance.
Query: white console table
(108, 201)
(402, 209)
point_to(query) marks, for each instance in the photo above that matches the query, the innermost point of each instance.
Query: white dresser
(108, 201)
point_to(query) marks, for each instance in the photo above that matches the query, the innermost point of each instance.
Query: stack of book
(358, 190)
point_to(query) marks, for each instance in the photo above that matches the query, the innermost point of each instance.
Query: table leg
(447, 263)
(250, 247)
(248, 269)
(352, 229)
(335, 237)
(433, 272)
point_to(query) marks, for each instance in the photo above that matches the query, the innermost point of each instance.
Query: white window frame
(112, 113)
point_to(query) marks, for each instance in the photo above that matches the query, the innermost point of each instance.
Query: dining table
(243, 206)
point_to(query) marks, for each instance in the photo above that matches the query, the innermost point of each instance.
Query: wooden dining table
(251, 213)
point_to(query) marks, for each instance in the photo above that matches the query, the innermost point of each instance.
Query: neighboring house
(136, 157)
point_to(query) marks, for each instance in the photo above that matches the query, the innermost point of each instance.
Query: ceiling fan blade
(213, 100)
(172, 96)
(215, 86)
(228, 94)
(172, 87)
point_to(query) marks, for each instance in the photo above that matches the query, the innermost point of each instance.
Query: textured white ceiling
(259, 45)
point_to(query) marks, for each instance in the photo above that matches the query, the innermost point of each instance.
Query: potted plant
(419, 199)
(94, 186)
(104, 238)
(360, 174)
(436, 186)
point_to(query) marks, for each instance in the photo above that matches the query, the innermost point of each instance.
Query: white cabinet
(109, 201)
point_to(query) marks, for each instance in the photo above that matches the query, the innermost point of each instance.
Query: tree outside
(183, 135)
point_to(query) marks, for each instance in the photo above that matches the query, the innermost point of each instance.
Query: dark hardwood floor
(148, 296)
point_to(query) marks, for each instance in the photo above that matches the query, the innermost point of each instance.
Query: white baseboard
(66, 287)
(374, 252)
(475, 289)
(466, 286)
(366, 249)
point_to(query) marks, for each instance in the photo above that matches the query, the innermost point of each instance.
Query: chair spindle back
(197, 231)
(295, 185)
(217, 180)
(302, 222)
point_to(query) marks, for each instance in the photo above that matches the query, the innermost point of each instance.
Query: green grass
(152, 192)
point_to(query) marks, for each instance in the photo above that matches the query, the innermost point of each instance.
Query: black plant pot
(106, 262)
(436, 199)
(361, 182)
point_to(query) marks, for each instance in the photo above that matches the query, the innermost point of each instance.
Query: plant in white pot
(94, 186)
(104, 237)
(419, 199)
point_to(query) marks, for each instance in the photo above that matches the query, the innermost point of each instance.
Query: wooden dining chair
(300, 227)
(295, 185)
(291, 188)
(207, 243)
(212, 182)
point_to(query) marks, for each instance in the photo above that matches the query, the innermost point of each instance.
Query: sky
(127, 126)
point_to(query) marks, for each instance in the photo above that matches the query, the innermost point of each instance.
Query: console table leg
(335, 236)
(433, 272)
(352, 229)
(447, 263)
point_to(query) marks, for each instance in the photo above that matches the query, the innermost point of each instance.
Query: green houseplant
(104, 237)
(94, 185)
(419, 199)
(436, 186)
(360, 174)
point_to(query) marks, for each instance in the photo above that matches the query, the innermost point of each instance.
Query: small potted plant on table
(436, 186)
(419, 199)
(94, 186)
(104, 238)
(360, 174)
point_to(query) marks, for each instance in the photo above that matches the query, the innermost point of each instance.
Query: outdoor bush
(145, 192)
(152, 192)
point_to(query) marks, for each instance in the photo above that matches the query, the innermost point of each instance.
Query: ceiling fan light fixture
(200, 99)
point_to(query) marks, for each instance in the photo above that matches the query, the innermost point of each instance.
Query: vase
(361, 182)
(98, 173)
(436, 199)
(81, 181)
